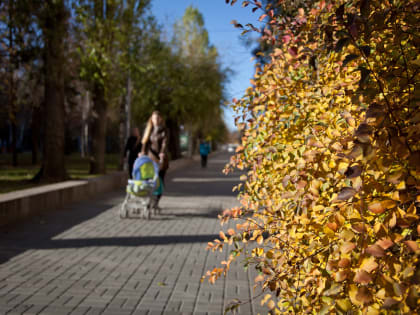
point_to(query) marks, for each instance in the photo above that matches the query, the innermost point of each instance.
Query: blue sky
(217, 18)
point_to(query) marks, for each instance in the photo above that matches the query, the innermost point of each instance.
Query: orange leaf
(389, 302)
(341, 275)
(259, 278)
(333, 226)
(347, 247)
(369, 264)
(362, 277)
(385, 243)
(412, 245)
(375, 250)
(231, 232)
(262, 17)
(301, 184)
(364, 295)
(376, 207)
(359, 227)
(344, 263)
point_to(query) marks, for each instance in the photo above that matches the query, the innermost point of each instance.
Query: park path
(83, 259)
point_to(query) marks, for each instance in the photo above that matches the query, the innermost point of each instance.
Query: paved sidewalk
(84, 259)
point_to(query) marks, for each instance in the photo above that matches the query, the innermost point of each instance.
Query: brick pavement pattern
(84, 260)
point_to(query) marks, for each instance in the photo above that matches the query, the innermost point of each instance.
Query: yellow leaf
(318, 208)
(352, 294)
(258, 252)
(346, 235)
(381, 294)
(265, 299)
(401, 185)
(369, 264)
(270, 254)
(372, 311)
(344, 304)
(342, 167)
(271, 304)
(389, 204)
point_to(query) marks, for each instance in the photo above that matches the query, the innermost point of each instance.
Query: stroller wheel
(146, 213)
(157, 210)
(123, 212)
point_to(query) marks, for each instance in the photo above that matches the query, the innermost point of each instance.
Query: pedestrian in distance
(132, 149)
(204, 152)
(155, 145)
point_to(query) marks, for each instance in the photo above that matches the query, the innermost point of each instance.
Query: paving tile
(85, 260)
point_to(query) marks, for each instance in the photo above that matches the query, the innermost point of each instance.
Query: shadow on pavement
(23, 235)
(171, 215)
(38, 232)
(198, 185)
(124, 241)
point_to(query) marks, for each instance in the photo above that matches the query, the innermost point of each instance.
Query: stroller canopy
(145, 168)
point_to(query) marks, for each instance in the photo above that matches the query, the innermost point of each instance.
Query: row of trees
(331, 145)
(97, 64)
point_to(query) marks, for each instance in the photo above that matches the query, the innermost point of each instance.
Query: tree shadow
(183, 214)
(27, 234)
(124, 241)
(38, 232)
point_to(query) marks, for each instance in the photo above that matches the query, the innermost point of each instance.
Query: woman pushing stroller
(155, 144)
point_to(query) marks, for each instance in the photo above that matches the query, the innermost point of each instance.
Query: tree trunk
(35, 133)
(84, 136)
(14, 142)
(13, 63)
(55, 32)
(121, 133)
(125, 121)
(174, 144)
(97, 162)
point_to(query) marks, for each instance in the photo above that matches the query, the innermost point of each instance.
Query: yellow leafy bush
(331, 140)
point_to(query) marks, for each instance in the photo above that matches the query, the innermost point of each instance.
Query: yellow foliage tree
(331, 144)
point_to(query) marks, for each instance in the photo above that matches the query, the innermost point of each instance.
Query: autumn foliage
(331, 149)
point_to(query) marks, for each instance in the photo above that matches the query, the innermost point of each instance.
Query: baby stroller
(139, 198)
